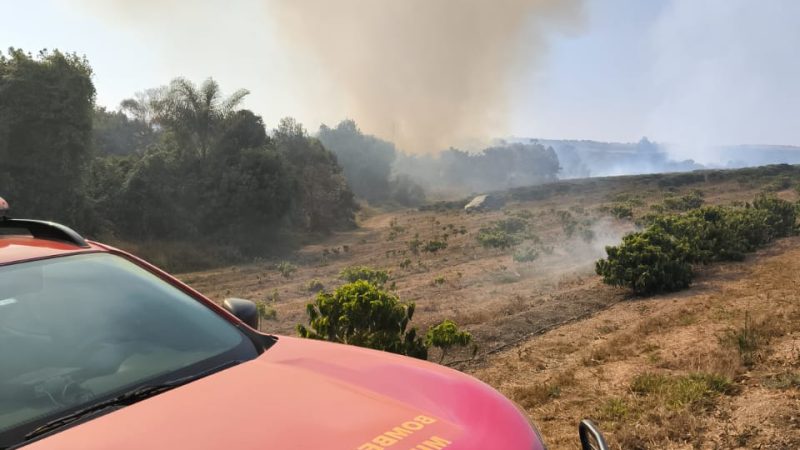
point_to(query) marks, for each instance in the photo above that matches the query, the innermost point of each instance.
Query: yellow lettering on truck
(434, 443)
(396, 434)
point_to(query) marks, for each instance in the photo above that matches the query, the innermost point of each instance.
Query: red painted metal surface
(305, 394)
(299, 394)
(22, 248)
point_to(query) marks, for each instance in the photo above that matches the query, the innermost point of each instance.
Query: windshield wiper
(125, 399)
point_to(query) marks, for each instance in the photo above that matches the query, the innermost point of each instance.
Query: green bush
(568, 222)
(286, 269)
(266, 311)
(684, 202)
(491, 237)
(527, 254)
(445, 336)
(712, 233)
(658, 259)
(373, 276)
(362, 314)
(505, 233)
(315, 286)
(512, 225)
(434, 246)
(621, 211)
(647, 262)
(781, 214)
(415, 244)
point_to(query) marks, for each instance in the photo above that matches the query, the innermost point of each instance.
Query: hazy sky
(689, 72)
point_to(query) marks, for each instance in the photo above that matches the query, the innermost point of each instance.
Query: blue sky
(689, 72)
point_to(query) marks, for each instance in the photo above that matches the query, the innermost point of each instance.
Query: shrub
(781, 214)
(445, 336)
(434, 246)
(373, 276)
(512, 225)
(684, 202)
(647, 262)
(315, 286)
(568, 223)
(657, 259)
(286, 269)
(505, 233)
(415, 244)
(707, 233)
(491, 237)
(750, 339)
(438, 281)
(405, 264)
(362, 314)
(527, 254)
(266, 311)
(621, 211)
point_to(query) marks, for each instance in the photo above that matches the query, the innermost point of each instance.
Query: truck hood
(304, 394)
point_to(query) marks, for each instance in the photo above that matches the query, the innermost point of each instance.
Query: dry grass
(717, 366)
(649, 371)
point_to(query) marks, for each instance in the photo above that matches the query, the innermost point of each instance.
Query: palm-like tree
(194, 113)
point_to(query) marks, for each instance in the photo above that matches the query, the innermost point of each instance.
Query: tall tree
(196, 114)
(117, 134)
(46, 107)
(366, 160)
(323, 200)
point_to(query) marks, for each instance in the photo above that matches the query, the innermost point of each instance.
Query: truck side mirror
(244, 310)
(591, 438)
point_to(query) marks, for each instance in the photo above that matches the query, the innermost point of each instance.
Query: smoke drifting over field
(424, 74)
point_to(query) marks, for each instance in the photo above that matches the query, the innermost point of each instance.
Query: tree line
(183, 162)
(177, 162)
(663, 256)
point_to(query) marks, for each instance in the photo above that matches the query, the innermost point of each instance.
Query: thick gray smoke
(426, 74)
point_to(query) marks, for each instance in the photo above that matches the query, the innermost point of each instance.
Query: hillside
(640, 368)
(551, 335)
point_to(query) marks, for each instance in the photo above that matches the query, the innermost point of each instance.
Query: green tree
(151, 203)
(46, 108)
(366, 160)
(363, 314)
(195, 114)
(114, 133)
(322, 199)
(445, 336)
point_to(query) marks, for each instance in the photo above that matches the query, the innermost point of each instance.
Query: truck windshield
(79, 329)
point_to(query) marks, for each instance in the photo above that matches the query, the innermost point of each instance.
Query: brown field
(662, 372)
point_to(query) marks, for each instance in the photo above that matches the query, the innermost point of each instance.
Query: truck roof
(15, 249)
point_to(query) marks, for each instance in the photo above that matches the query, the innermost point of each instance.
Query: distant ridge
(588, 158)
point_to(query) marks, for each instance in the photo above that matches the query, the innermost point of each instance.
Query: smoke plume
(426, 74)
